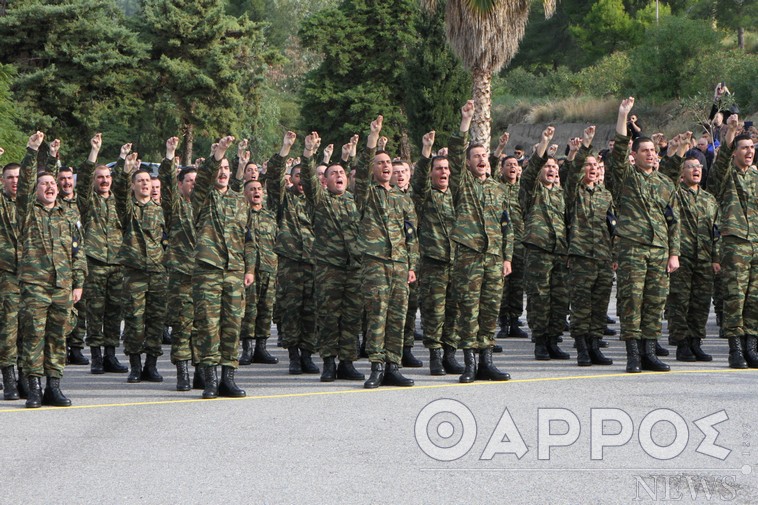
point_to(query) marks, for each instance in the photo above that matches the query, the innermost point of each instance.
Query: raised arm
(456, 152)
(308, 176)
(275, 184)
(170, 198)
(27, 178)
(420, 180)
(722, 164)
(362, 175)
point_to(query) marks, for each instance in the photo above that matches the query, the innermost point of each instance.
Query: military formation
(341, 254)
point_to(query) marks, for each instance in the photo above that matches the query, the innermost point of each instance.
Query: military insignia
(716, 233)
(669, 215)
(410, 230)
(164, 240)
(612, 222)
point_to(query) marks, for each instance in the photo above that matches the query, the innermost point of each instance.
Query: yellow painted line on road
(378, 390)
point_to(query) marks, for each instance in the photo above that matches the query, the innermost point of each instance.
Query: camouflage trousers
(409, 329)
(590, 282)
(642, 289)
(338, 295)
(297, 304)
(43, 320)
(144, 311)
(385, 299)
(547, 297)
(9, 304)
(512, 304)
(437, 301)
(259, 306)
(689, 300)
(104, 295)
(219, 297)
(76, 328)
(739, 273)
(180, 316)
(478, 281)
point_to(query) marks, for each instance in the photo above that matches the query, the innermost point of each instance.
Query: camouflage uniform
(9, 290)
(388, 242)
(77, 327)
(51, 266)
(259, 303)
(512, 305)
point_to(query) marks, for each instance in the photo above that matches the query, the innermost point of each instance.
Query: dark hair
(65, 168)
(11, 166)
(691, 158)
(44, 173)
(250, 163)
(184, 171)
(506, 158)
(435, 158)
(335, 164)
(140, 171)
(640, 140)
(473, 146)
(397, 163)
(382, 151)
(742, 136)
(250, 181)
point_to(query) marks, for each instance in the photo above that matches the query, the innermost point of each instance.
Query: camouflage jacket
(221, 223)
(737, 193)
(142, 223)
(436, 215)
(49, 238)
(336, 221)
(262, 233)
(482, 222)
(544, 211)
(180, 222)
(102, 226)
(698, 216)
(588, 209)
(515, 212)
(388, 221)
(295, 217)
(8, 234)
(644, 202)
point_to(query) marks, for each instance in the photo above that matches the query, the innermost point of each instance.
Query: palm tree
(485, 34)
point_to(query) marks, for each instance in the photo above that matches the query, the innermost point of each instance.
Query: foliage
(606, 28)
(11, 138)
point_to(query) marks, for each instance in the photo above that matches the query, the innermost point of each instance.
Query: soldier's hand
(249, 279)
(55, 147)
(354, 142)
(442, 151)
(289, 139)
(199, 162)
(673, 264)
(467, 111)
(382, 145)
(35, 141)
(125, 149)
(716, 268)
(626, 106)
(241, 147)
(244, 157)
(311, 142)
(171, 144)
(733, 122)
(428, 139)
(131, 163)
(346, 150)
(552, 149)
(76, 294)
(589, 134)
(96, 142)
(411, 276)
(503, 141)
(318, 143)
(507, 268)
(547, 134)
(575, 144)
(376, 125)
(223, 145)
(2, 151)
(328, 150)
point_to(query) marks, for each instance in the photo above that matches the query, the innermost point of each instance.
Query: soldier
(176, 191)
(591, 266)
(484, 249)
(9, 291)
(103, 287)
(735, 182)
(388, 240)
(295, 275)
(436, 218)
(51, 275)
(223, 268)
(648, 243)
(337, 256)
(689, 299)
(141, 255)
(246, 170)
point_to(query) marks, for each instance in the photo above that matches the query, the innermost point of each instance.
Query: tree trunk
(482, 94)
(741, 38)
(189, 143)
(405, 148)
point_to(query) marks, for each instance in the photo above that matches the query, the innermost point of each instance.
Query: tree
(734, 15)
(11, 138)
(606, 28)
(485, 35)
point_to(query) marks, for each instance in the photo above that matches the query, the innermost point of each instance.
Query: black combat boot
(210, 378)
(150, 371)
(514, 329)
(247, 352)
(53, 395)
(582, 353)
(261, 355)
(362, 348)
(649, 360)
(111, 364)
(23, 385)
(751, 351)
(377, 376)
(609, 320)
(198, 379)
(34, 392)
(9, 381)
(700, 355)
(497, 348)
(540, 348)
(684, 352)
(295, 367)
(469, 370)
(601, 342)
(330, 370)
(487, 369)
(306, 363)
(736, 358)
(660, 350)
(75, 357)
(409, 360)
(609, 332)
(97, 367)
(346, 371)
(503, 323)
(182, 376)
(596, 356)
(449, 362)
(228, 387)
(135, 372)
(554, 351)
(633, 364)
(435, 362)
(393, 377)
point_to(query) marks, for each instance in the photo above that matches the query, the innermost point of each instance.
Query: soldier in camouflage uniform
(223, 268)
(484, 249)
(295, 276)
(51, 275)
(103, 287)
(338, 262)
(590, 274)
(648, 243)
(9, 291)
(545, 240)
(735, 183)
(436, 218)
(388, 240)
(176, 191)
(141, 255)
